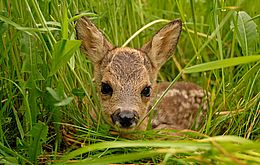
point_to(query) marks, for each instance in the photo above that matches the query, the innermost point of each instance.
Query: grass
(46, 86)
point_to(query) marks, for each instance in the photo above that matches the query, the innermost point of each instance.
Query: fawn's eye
(146, 91)
(106, 89)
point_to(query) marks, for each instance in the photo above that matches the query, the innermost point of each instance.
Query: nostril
(115, 116)
(125, 118)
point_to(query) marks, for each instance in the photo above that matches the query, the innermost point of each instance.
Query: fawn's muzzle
(125, 118)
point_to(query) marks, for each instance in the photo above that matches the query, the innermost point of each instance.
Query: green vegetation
(46, 86)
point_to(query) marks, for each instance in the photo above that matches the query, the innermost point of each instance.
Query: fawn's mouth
(125, 119)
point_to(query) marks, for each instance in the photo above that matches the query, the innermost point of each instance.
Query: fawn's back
(126, 80)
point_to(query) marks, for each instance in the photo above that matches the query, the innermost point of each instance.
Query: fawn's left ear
(94, 43)
(163, 43)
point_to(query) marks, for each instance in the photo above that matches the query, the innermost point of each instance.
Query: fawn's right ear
(94, 44)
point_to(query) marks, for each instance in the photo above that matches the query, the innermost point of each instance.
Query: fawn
(126, 80)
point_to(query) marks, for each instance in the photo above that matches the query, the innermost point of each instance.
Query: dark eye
(146, 91)
(106, 89)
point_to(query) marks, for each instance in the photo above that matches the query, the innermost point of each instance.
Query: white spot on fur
(198, 93)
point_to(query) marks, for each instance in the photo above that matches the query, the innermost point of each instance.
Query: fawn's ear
(94, 44)
(163, 43)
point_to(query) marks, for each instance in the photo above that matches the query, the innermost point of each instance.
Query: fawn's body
(126, 80)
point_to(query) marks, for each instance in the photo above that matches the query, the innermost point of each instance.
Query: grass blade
(118, 158)
(246, 31)
(4, 149)
(221, 64)
(121, 144)
(39, 135)
(63, 51)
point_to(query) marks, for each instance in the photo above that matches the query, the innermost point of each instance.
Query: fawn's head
(125, 77)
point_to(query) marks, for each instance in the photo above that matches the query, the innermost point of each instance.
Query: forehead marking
(127, 62)
(128, 67)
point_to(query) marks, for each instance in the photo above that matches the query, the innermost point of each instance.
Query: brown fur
(128, 71)
(183, 106)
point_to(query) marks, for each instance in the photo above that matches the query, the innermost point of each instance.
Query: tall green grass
(46, 87)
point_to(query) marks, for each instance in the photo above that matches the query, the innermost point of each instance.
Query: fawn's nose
(125, 118)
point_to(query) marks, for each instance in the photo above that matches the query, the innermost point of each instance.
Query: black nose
(125, 118)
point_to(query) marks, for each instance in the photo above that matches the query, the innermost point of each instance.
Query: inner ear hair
(163, 43)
